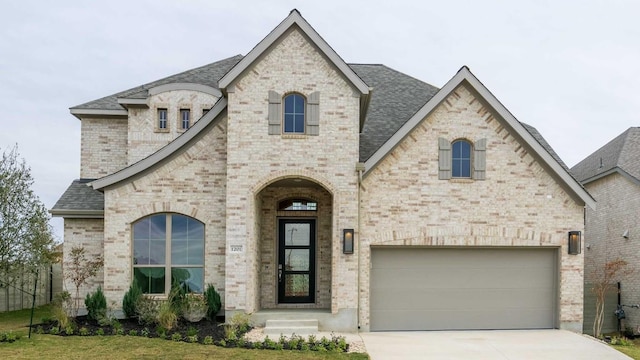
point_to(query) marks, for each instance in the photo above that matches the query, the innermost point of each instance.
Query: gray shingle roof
(79, 197)
(205, 75)
(396, 97)
(623, 152)
(536, 135)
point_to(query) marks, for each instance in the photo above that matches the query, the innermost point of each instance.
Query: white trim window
(162, 118)
(185, 119)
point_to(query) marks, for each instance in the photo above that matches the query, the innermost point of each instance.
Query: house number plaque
(236, 248)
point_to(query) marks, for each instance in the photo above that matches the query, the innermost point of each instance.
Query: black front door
(296, 260)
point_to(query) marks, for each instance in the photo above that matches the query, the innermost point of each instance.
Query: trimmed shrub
(147, 310)
(96, 304)
(131, 298)
(213, 301)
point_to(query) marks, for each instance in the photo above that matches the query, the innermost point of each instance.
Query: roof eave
(464, 74)
(77, 214)
(134, 102)
(614, 170)
(294, 18)
(164, 152)
(79, 112)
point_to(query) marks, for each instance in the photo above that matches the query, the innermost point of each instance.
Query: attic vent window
(297, 205)
(601, 163)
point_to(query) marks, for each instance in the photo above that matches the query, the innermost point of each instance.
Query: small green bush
(96, 304)
(145, 332)
(131, 298)
(83, 331)
(69, 330)
(100, 332)
(147, 310)
(8, 337)
(133, 332)
(176, 337)
(192, 338)
(208, 340)
(192, 331)
(54, 330)
(213, 301)
(621, 341)
(60, 309)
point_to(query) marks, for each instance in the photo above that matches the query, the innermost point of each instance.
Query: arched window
(297, 205)
(461, 159)
(294, 114)
(168, 248)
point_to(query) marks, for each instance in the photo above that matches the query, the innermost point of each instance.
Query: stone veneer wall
(144, 136)
(89, 234)
(618, 203)
(103, 146)
(256, 159)
(270, 197)
(519, 204)
(191, 183)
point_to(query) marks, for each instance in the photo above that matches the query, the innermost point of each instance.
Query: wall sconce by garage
(347, 241)
(574, 242)
(626, 234)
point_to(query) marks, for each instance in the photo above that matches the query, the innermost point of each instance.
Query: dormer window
(294, 114)
(162, 119)
(185, 117)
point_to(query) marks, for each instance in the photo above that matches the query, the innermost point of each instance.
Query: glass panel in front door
(297, 259)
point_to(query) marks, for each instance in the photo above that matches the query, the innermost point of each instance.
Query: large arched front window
(461, 159)
(294, 114)
(168, 248)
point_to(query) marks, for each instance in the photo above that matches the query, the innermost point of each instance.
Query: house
(612, 175)
(353, 194)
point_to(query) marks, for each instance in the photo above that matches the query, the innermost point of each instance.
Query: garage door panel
(462, 320)
(415, 299)
(440, 289)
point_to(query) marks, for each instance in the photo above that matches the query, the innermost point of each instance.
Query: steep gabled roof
(79, 200)
(526, 136)
(621, 155)
(396, 97)
(207, 75)
(294, 19)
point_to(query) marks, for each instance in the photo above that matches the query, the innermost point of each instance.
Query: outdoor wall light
(347, 241)
(574, 242)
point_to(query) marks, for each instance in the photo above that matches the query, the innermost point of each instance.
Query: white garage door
(463, 289)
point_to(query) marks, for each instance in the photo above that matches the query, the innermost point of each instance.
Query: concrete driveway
(494, 345)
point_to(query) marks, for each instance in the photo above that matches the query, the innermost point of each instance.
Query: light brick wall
(89, 234)
(256, 159)
(191, 183)
(144, 136)
(618, 203)
(519, 204)
(103, 146)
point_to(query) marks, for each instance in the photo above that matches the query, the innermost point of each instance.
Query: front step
(288, 327)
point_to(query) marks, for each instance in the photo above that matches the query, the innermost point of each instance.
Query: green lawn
(632, 351)
(127, 347)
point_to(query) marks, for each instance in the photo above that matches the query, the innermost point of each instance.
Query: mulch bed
(202, 328)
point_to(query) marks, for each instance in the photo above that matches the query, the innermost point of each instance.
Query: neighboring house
(612, 176)
(303, 186)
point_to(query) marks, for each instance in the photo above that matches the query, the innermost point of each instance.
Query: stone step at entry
(288, 327)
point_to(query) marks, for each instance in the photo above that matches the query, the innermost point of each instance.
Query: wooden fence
(18, 296)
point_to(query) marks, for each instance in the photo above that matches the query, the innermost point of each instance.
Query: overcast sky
(569, 68)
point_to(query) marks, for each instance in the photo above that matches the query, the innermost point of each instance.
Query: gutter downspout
(360, 169)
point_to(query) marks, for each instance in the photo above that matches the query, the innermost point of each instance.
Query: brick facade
(233, 174)
(618, 200)
(88, 234)
(518, 204)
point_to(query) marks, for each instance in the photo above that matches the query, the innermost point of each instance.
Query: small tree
(79, 270)
(606, 279)
(26, 241)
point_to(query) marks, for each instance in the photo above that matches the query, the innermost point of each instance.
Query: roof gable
(619, 155)
(165, 152)
(464, 75)
(294, 19)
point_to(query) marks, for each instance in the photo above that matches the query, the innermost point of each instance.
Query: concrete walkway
(494, 345)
